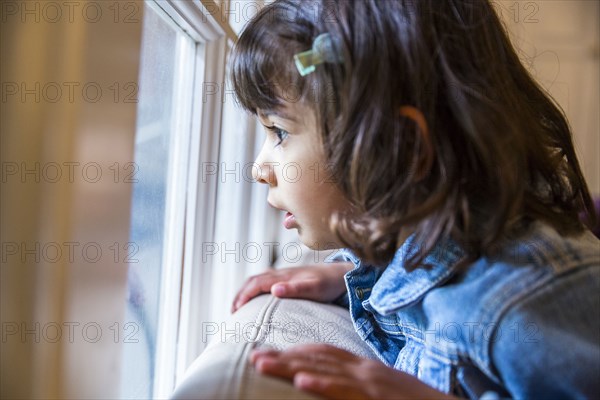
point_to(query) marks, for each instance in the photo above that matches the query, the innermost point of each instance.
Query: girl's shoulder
(539, 262)
(543, 247)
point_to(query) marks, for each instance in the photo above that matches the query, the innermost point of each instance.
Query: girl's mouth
(289, 221)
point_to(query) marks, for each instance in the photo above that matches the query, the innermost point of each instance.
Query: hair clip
(322, 51)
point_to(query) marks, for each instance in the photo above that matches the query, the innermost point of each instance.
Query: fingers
(276, 366)
(324, 350)
(331, 387)
(321, 369)
(314, 353)
(261, 353)
(332, 374)
(308, 282)
(253, 286)
(305, 289)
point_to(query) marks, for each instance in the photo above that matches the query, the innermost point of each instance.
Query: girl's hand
(333, 373)
(322, 283)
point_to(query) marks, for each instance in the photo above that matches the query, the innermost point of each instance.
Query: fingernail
(253, 356)
(279, 290)
(303, 381)
(264, 363)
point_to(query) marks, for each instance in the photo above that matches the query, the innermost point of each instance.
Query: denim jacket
(524, 324)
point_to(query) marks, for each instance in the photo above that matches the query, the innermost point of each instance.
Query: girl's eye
(280, 133)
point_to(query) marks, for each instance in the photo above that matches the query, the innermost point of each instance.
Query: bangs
(263, 72)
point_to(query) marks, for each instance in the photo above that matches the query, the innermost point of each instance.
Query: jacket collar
(344, 255)
(398, 288)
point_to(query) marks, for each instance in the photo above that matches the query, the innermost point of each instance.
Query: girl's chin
(316, 244)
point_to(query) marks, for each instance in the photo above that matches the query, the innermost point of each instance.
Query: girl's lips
(289, 221)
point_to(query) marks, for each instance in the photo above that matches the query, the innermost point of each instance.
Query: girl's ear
(425, 149)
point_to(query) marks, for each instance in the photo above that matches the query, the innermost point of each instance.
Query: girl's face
(292, 163)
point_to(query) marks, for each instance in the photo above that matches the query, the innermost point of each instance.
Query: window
(157, 216)
(177, 198)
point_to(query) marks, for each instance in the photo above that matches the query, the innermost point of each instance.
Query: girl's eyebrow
(279, 114)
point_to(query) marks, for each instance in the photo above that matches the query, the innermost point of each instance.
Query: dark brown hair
(498, 152)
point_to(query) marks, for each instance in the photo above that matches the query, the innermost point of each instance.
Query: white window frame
(181, 313)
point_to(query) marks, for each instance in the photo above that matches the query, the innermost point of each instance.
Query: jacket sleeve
(548, 344)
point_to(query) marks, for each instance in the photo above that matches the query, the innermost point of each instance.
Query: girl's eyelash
(281, 134)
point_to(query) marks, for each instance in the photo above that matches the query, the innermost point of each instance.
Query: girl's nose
(264, 172)
(260, 173)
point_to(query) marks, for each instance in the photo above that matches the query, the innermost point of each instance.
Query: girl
(431, 155)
